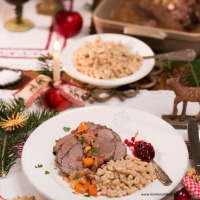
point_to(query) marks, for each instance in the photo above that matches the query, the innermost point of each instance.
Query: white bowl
(133, 44)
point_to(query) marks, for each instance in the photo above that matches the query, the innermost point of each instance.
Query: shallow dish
(133, 44)
(167, 143)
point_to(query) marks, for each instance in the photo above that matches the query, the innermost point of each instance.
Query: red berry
(126, 141)
(181, 194)
(129, 144)
(133, 139)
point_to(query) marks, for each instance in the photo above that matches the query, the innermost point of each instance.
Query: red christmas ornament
(54, 100)
(181, 194)
(68, 23)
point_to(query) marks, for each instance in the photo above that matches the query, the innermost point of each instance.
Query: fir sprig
(9, 140)
(46, 65)
(192, 69)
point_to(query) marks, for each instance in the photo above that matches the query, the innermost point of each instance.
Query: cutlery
(193, 136)
(162, 176)
(180, 55)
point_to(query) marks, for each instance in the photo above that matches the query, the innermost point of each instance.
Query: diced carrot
(88, 162)
(79, 188)
(92, 190)
(82, 127)
(86, 185)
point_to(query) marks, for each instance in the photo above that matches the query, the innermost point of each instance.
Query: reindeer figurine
(183, 94)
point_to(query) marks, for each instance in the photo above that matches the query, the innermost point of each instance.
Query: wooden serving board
(176, 123)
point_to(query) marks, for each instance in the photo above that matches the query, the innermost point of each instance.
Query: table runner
(21, 50)
(155, 102)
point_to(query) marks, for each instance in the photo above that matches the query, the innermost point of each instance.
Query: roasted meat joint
(182, 14)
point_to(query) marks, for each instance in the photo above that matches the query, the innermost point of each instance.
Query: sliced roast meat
(69, 150)
(120, 151)
(107, 143)
(60, 142)
(96, 127)
(65, 168)
(72, 161)
(66, 146)
(76, 156)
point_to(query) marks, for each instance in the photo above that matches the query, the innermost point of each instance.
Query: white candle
(56, 62)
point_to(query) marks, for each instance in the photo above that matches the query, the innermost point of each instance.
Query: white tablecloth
(20, 50)
(155, 102)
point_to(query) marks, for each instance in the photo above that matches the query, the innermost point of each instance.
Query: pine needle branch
(10, 140)
(192, 77)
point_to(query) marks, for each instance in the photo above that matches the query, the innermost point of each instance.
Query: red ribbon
(71, 92)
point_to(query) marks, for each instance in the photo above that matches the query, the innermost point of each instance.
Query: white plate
(133, 44)
(170, 149)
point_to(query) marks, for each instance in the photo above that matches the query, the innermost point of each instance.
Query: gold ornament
(15, 121)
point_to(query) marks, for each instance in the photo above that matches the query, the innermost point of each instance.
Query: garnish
(141, 149)
(82, 141)
(95, 150)
(46, 172)
(86, 195)
(77, 176)
(66, 129)
(39, 166)
(131, 143)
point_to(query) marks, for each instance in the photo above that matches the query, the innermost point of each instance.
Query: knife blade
(193, 136)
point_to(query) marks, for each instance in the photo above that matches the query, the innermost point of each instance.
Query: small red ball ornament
(54, 100)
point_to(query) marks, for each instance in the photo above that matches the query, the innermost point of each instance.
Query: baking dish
(159, 39)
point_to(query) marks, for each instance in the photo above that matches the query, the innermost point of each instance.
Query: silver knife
(193, 136)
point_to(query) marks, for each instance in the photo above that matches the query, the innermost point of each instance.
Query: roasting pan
(159, 39)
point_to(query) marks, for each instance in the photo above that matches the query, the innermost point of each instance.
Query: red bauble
(181, 194)
(54, 100)
(68, 23)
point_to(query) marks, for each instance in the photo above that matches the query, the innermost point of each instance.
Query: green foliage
(46, 66)
(9, 140)
(192, 69)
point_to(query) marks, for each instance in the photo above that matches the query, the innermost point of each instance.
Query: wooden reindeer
(183, 94)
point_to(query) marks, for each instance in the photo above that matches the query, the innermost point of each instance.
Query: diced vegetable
(79, 188)
(92, 190)
(86, 185)
(82, 127)
(88, 162)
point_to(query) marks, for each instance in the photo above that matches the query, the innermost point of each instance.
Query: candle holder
(19, 24)
(50, 7)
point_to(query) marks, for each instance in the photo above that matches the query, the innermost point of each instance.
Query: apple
(68, 23)
(54, 100)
